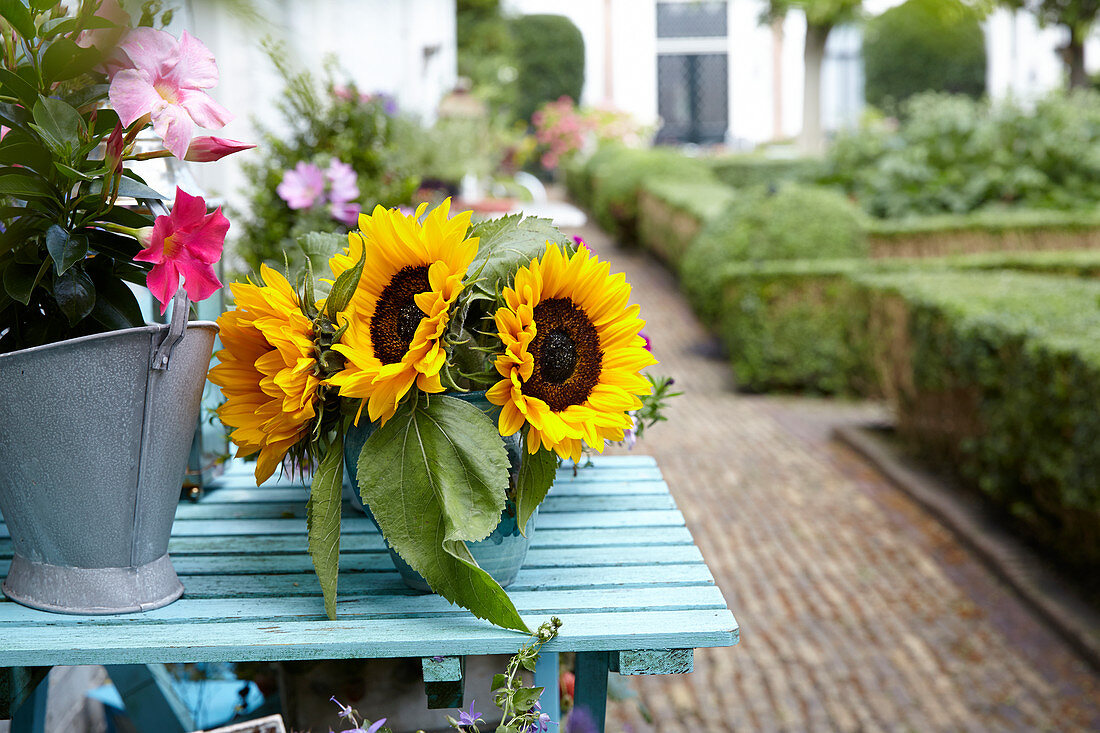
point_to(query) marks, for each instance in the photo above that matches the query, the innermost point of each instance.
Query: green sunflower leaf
(435, 477)
(536, 476)
(323, 521)
(508, 243)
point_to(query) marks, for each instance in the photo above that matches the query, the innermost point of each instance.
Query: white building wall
(404, 48)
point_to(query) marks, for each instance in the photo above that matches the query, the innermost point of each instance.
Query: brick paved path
(858, 611)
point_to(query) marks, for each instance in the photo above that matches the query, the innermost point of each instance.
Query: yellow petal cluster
(266, 371)
(399, 313)
(569, 305)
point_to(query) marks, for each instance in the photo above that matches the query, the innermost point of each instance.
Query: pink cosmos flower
(166, 79)
(206, 148)
(187, 242)
(343, 190)
(345, 212)
(343, 182)
(302, 186)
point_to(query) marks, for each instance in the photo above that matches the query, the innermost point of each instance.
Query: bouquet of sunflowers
(422, 308)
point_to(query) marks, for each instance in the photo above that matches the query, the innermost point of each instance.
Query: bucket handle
(162, 354)
(181, 307)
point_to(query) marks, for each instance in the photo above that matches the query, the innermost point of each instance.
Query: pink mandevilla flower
(187, 242)
(166, 79)
(206, 148)
(302, 186)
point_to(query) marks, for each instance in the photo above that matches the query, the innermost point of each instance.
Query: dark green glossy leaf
(65, 249)
(323, 521)
(72, 173)
(28, 154)
(130, 187)
(23, 183)
(14, 116)
(116, 306)
(64, 60)
(105, 121)
(19, 281)
(59, 124)
(19, 15)
(444, 457)
(118, 246)
(90, 94)
(75, 294)
(14, 85)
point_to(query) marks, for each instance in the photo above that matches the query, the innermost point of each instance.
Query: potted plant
(423, 313)
(99, 407)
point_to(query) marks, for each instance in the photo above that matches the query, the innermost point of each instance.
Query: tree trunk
(1074, 55)
(812, 139)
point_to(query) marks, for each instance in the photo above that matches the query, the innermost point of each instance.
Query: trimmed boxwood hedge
(801, 325)
(672, 213)
(997, 375)
(797, 222)
(617, 175)
(748, 171)
(991, 230)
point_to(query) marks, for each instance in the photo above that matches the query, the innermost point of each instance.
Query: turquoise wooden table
(611, 558)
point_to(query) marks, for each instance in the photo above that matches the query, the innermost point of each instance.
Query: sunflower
(572, 354)
(266, 371)
(401, 308)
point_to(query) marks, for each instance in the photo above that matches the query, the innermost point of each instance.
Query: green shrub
(748, 171)
(618, 174)
(797, 326)
(923, 45)
(955, 155)
(579, 173)
(795, 223)
(549, 61)
(672, 213)
(322, 126)
(997, 375)
(801, 325)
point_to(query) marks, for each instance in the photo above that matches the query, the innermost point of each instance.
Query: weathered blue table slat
(611, 558)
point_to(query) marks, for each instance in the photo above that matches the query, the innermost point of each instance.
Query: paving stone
(858, 610)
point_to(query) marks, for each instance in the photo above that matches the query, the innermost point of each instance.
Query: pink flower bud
(207, 148)
(144, 236)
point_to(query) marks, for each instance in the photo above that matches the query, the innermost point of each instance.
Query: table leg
(151, 701)
(590, 692)
(29, 690)
(546, 675)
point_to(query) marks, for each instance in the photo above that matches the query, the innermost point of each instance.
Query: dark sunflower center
(559, 357)
(567, 355)
(396, 316)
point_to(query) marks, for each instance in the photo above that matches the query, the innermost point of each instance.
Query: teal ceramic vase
(502, 553)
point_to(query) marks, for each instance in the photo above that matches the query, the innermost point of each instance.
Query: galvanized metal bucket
(94, 438)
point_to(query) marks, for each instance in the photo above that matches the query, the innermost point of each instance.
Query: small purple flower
(302, 186)
(469, 718)
(580, 721)
(579, 241)
(648, 343)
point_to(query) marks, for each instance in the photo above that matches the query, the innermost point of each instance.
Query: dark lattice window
(693, 97)
(691, 20)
